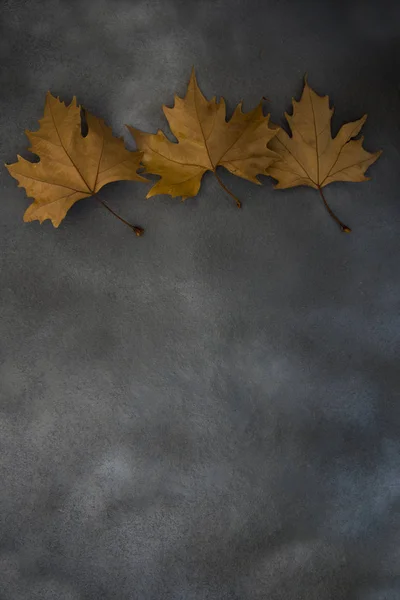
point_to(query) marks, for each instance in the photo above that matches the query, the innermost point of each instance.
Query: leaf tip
(193, 76)
(287, 116)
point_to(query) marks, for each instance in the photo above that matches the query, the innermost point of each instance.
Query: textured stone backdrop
(210, 412)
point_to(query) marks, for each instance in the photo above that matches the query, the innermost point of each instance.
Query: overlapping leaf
(205, 141)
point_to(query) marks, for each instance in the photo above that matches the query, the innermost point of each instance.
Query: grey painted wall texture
(211, 411)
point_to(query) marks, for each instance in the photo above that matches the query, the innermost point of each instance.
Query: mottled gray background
(211, 411)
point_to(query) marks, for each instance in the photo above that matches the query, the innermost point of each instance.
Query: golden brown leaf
(71, 167)
(205, 141)
(311, 157)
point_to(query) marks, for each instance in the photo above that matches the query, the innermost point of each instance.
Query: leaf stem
(138, 230)
(342, 226)
(238, 203)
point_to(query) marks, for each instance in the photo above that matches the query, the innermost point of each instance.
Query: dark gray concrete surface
(211, 411)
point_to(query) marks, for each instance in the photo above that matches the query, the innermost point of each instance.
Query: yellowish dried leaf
(311, 157)
(205, 141)
(71, 167)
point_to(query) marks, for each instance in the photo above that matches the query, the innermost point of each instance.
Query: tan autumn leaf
(205, 141)
(71, 167)
(311, 156)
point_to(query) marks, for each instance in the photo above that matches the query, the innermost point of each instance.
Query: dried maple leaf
(311, 157)
(71, 167)
(205, 141)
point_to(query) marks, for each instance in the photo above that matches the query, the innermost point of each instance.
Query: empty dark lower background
(211, 411)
